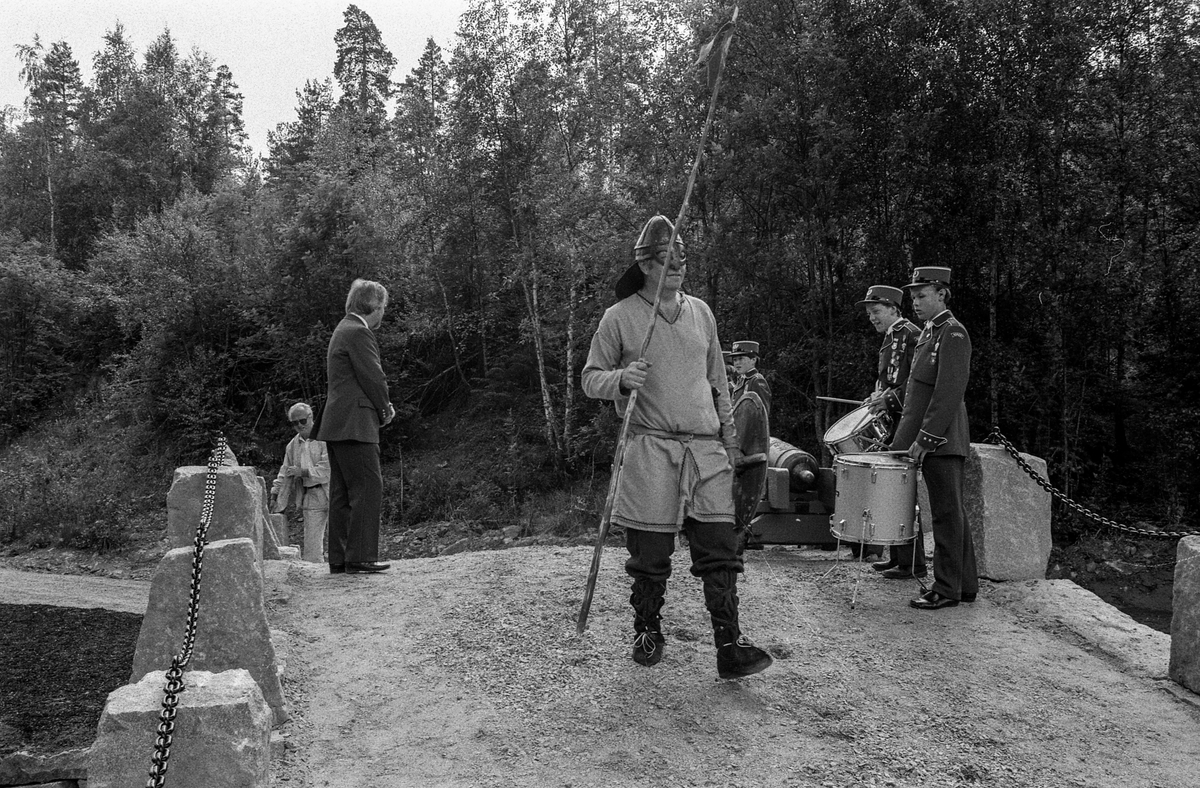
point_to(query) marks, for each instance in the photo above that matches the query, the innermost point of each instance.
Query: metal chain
(174, 685)
(1088, 513)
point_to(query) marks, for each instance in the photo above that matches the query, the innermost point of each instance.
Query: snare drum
(858, 431)
(876, 499)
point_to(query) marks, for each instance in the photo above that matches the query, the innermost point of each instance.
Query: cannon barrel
(801, 466)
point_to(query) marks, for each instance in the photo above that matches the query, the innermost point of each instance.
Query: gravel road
(467, 671)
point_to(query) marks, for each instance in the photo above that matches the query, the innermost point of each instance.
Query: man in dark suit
(356, 407)
(933, 429)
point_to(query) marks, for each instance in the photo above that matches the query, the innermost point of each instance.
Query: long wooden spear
(713, 55)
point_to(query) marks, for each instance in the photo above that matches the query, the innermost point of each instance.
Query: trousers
(954, 569)
(355, 502)
(713, 547)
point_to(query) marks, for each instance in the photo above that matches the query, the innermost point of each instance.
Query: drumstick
(843, 401)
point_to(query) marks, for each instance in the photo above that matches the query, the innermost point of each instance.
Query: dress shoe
(883, 566)
(932, 600)
(968, 598)
(368, 567)
(903, 573)
(337, 569)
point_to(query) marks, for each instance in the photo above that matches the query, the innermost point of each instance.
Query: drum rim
(898, 461)
(857, 424)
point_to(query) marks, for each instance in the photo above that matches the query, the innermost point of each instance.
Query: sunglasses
(298, 422)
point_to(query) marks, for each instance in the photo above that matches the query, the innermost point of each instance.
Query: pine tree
(364, 65)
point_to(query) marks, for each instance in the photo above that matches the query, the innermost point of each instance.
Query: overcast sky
(271, 47)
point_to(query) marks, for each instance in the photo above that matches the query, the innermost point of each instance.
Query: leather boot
(736, 655)
(647, 601)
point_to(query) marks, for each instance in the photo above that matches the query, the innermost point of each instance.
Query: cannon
(799, 499)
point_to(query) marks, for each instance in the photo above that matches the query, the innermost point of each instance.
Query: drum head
(848, 425)
(902, 461)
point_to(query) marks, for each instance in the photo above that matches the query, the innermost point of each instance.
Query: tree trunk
(553, 435)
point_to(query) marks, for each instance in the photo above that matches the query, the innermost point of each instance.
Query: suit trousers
(713, 547)
(355, 501)
(954, 569)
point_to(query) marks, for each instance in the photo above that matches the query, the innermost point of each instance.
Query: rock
(461, 546)
(271, 544)
(23, 769)
(1138, 649)
(280, 524)
(237, 510)
(1185, 617)
(221, 739)
(289, 553)
(1009, 514)
(231, 629)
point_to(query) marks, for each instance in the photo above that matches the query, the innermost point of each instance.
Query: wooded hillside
(151, 266)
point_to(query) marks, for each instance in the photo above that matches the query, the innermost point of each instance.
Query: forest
(160, 281)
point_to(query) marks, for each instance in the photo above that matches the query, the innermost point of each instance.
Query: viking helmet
(655, 237)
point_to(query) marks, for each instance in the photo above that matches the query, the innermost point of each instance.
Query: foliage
(1046, 152)
(74, 482)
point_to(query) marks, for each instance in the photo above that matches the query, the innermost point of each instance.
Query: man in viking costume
(678, 464)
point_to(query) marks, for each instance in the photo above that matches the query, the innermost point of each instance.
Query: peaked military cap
(930, 275)
(882, 294)
(744, 348)
(654, 238)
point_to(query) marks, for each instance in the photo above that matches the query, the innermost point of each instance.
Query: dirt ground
(467, 671)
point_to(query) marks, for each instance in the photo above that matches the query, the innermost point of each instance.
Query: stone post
(221, 740)
(1009, 514)
(237, 511)
(1185, 617)
(231, 629)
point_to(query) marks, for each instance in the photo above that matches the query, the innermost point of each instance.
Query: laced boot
(647, 601)
(736, 655)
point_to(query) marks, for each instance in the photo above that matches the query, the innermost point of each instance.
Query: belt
(682, 437)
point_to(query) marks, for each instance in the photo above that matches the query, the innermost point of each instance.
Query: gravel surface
(467, 671)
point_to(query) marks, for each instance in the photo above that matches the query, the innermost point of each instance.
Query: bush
(75, 482)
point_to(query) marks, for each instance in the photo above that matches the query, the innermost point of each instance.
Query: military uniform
(891, 379)
(935, 417)
(752, 380)
(895, 365)
(895, 362)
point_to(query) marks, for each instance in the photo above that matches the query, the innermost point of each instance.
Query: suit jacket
(934, 412)
(895, 364)
(357, 398)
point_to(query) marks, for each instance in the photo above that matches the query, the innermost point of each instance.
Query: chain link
(174, 685)
(1088, 513)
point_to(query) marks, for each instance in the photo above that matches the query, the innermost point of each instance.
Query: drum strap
(682, 437)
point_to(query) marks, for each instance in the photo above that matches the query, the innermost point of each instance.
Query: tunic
(675, 463)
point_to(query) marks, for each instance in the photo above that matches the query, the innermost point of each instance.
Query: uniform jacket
(358, 391)
(934, 412)
(895, 363)
(754, 381)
